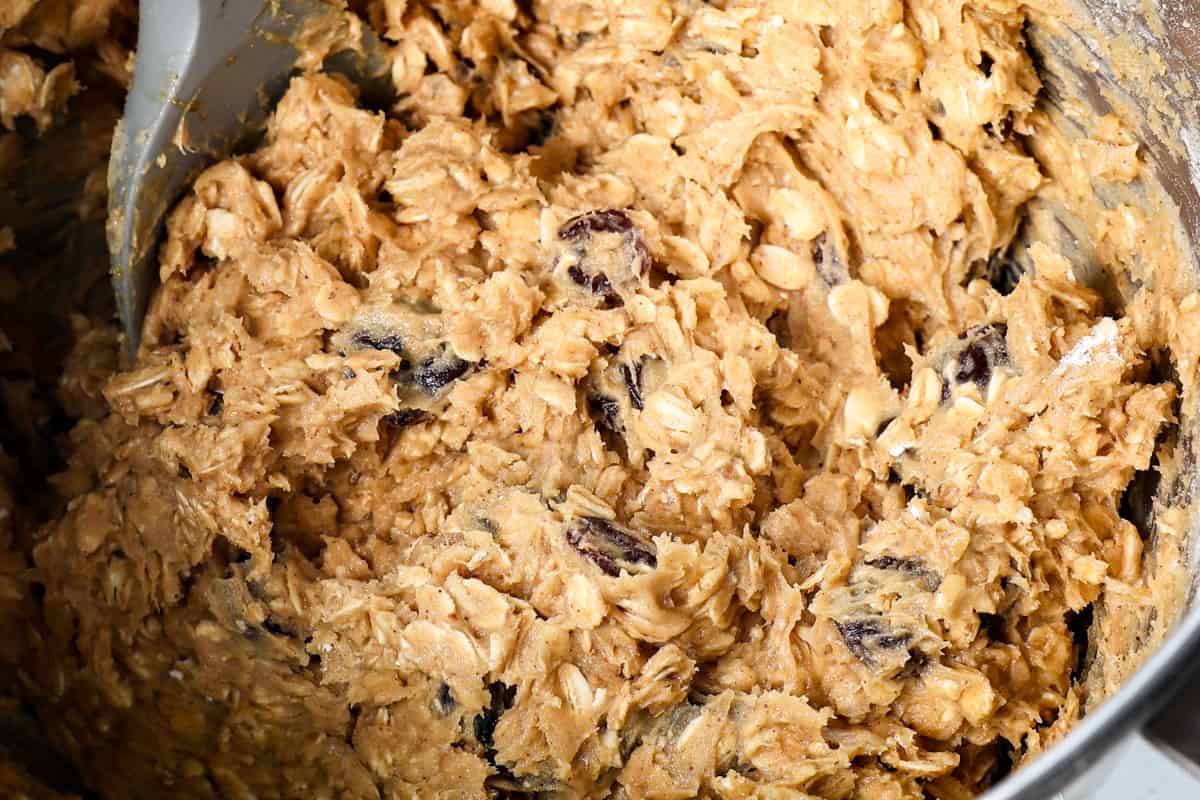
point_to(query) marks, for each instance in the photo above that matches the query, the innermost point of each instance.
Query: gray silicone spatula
(206, 76)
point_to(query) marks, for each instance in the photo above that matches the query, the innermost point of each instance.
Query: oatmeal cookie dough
(62, 67)
(645, 406)
(36, 36)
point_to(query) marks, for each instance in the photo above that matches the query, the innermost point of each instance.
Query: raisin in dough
(644, 407)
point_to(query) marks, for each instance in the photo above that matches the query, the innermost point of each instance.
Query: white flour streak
(1191, 141)
(1099, 345)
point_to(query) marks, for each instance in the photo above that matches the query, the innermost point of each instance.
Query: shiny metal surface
(1163, 697)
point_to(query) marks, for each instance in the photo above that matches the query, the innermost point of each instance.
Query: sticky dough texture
(34, 86)
(651, 430)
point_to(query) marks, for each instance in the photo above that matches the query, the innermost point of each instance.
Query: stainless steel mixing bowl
(1087, 60)
(1141, 59)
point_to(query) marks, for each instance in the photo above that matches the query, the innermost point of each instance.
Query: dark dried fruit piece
(984, 349)
(605, 267)
(609, 547)
(1003, 270)
(633, 382)
(863, 635)
(444, 702)
(432, 373)
(606, 412)
(405, 417)
(829, 262)
(435, 373)
(987, 350)
(618, 389)
(580, 228)
(373, 341)
(598, 284)
(913, 567)
(894, 562)
(484, 724)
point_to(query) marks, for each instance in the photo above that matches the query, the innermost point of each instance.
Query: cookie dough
(649, 405)
(62, 63)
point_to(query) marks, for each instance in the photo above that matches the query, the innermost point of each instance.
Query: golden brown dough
(646, 407)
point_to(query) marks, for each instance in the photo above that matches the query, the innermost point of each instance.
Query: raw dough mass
(648, 406)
